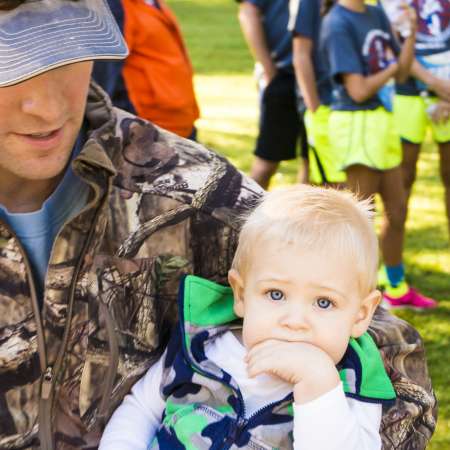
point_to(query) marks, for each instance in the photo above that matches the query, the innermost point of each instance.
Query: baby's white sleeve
(334, 422)
(135, 422)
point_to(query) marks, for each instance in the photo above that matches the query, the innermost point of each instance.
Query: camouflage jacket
(204, 405)
(160, 206)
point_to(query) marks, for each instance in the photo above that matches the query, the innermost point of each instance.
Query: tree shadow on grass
(430, 238)
(432, 282)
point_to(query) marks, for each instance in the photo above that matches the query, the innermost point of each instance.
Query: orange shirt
(158, 73)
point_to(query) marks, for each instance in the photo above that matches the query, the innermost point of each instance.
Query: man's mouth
(43, 139)
(44, 134)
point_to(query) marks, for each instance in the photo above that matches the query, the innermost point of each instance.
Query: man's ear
(365, 313)
(237, 284)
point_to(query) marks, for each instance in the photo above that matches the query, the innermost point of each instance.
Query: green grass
(227, 96)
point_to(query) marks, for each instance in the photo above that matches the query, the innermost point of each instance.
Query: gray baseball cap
(40, 35)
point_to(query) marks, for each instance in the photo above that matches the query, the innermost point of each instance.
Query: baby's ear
(237, 284)
(365, 313)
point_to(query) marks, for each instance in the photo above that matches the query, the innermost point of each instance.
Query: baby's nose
(296, 319)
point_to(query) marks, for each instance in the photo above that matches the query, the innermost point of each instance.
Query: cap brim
(40, 36)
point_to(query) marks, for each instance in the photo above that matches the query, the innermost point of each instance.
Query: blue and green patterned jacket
(204, 406)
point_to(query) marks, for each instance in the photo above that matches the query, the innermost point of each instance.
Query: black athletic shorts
(281, 125)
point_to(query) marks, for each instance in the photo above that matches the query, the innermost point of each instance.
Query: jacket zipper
(53, 373)
(50, 373)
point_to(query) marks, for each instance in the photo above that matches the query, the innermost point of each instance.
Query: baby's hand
(307, 367)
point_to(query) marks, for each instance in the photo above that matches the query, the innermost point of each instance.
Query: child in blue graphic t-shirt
(364, 56)
(281, 359)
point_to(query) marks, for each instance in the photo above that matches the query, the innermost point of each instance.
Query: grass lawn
(227, 97)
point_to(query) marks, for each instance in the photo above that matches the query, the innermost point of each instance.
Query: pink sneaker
(412, 299)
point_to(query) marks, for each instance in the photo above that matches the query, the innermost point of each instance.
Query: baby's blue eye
(276, 295)
(324, 303)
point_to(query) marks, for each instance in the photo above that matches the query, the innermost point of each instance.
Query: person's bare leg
(410, 156)
(393, 194)
(363, 180)
(444, 151)
(262, 171)
(303, 172)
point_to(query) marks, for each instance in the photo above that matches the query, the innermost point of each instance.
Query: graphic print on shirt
(377, 51)
(433, 36)
(433, 23)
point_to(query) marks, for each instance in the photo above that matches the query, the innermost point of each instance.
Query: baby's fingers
(264, 358)
(263, 349)
(257, 366)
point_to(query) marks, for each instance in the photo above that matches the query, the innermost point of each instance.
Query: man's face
(299, 296)
(41, 118)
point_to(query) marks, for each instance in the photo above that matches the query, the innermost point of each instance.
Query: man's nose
(44, 102)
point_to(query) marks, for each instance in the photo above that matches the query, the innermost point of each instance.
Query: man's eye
(276, 295)
(324, 303)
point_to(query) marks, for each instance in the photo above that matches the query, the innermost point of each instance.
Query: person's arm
(412, 420)
(135, 422)
(304, 20)
(406, 58)
(250, 19)
(333, 422)
(440, 87)
(346, 66)
(361, 88)
(304, 71)
(405, 54)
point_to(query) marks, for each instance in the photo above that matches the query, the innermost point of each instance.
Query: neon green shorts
(323, 163)
(412, 120)
(366, 137)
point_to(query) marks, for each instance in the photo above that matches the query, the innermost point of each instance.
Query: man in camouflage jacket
(159, 206)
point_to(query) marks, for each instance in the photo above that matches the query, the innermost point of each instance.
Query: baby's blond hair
(314, 218)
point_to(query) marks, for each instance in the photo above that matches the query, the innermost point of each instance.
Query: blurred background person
(422, 103)
(156, 79)
(264, 25)
(316, 88)
(363, 57)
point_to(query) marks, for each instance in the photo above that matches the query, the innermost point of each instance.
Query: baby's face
(300, 296)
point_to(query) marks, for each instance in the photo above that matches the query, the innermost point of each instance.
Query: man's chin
(46, 171)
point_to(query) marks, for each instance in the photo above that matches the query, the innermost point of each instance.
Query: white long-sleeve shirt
(330, 422)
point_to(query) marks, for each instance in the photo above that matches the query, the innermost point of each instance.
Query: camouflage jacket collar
(94, 163)
(206, 311)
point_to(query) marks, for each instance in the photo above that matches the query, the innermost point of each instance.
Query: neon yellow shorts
(323, 163)
(412, 120)
(366, 137)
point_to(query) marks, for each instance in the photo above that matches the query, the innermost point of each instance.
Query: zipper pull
(47, 382)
